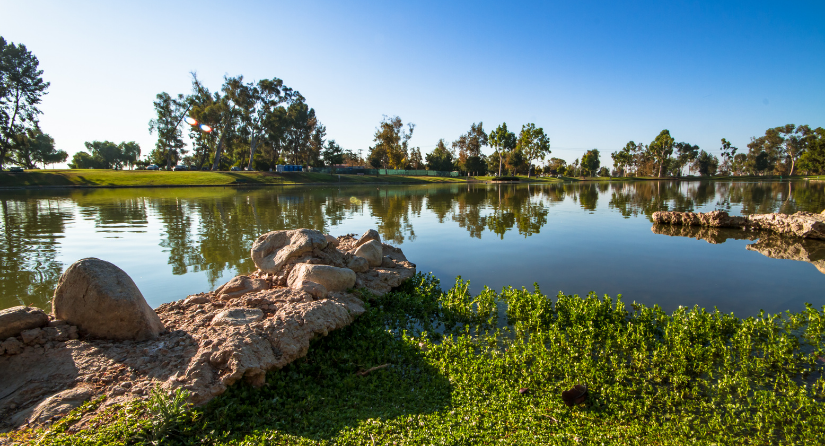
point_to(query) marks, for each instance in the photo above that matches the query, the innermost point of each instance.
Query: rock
(196, 300)
(239, 286)
(237, 316)
(33, 336)
(12, 346)
(2, 349)
(330, 277)
(16, 319)
(102, 300)
(60, 404)
(358, 264)
(800, 224)
(57, 323)
(272, 250)
(387, 262)
(372, 251)
(332, 240)
(370, 235)
(317, 290)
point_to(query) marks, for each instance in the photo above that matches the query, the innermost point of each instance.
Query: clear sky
(592, 74)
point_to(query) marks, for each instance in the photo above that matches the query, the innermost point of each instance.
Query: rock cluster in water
(800, 224)
(101, 339)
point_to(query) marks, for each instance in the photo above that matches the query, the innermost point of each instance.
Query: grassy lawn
(131, 178)
(456, 373)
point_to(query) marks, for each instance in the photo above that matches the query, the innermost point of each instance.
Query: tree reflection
(28, 249)
(211, 230)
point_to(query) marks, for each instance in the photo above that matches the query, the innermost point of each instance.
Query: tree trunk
(252, 151)
(793, 162)
(217, 162)
(500, 158)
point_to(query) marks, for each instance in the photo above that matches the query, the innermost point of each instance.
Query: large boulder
(370, 235)
(330, 277)
(272, 251)
(372, 251)
(16, 319)
(239, 286)
(103, 301)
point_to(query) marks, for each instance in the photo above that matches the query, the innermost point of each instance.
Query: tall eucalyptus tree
(21, 90)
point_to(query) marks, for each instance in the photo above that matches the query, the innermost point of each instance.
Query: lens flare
(191, 121)
(206, 128)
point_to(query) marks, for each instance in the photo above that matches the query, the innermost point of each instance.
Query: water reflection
(210, 230)
(768, 244)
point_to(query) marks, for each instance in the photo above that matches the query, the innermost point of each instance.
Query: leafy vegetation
(422, 366)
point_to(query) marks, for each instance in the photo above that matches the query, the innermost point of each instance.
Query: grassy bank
(455, 374)
(141, 178)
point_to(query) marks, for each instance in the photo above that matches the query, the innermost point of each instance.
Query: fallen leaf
(575, 396)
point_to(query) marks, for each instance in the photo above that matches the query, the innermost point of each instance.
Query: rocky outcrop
(16, 319)
(211, 341)
(370, 251)
(273, 250)
(103, 301)
(800, 224)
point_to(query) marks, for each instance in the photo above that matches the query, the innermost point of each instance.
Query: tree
(468, 146)
(533, 144)
(416, 161)
(440, 158)
(169, 112)
(604, 172)
(706, 164)
(504, 142)
(256, 102)
(555, 166)
(34, 147)
(130, 152)
(660, 150)
(728, 153)
(332, 153)
(590, 162)
(391, 143)
(21, 90)
(813, 159)
(624, 157)
(685, 154)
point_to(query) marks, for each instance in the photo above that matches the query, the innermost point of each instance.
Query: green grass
(455, 372)
(145, 178)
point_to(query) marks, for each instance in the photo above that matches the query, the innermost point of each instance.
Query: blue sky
(592, 74)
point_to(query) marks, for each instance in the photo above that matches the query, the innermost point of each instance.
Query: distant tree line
(784, 150)
(512, 153)
(22, 87)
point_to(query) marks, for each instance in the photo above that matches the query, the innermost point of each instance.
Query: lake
(571, 237)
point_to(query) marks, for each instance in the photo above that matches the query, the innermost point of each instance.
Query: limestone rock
(33, 336)
(800, 224)
(12, 346)
(16, 319)
(317, 290)
(330, 277)
(332, 240)
(272, 250)
(60, 404)
(358, 264)
(239, 286)
(371, 234)
(237, 316)
(372, 251)
(102, 300)
(387, 262)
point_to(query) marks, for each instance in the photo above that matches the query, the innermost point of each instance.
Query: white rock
(272, 250)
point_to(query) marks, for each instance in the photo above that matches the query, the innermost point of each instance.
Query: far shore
(92, 178)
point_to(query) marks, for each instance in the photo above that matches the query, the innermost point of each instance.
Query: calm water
(575, 238)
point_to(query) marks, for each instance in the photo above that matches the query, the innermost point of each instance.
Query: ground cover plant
(137, 178)
(423, 366)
